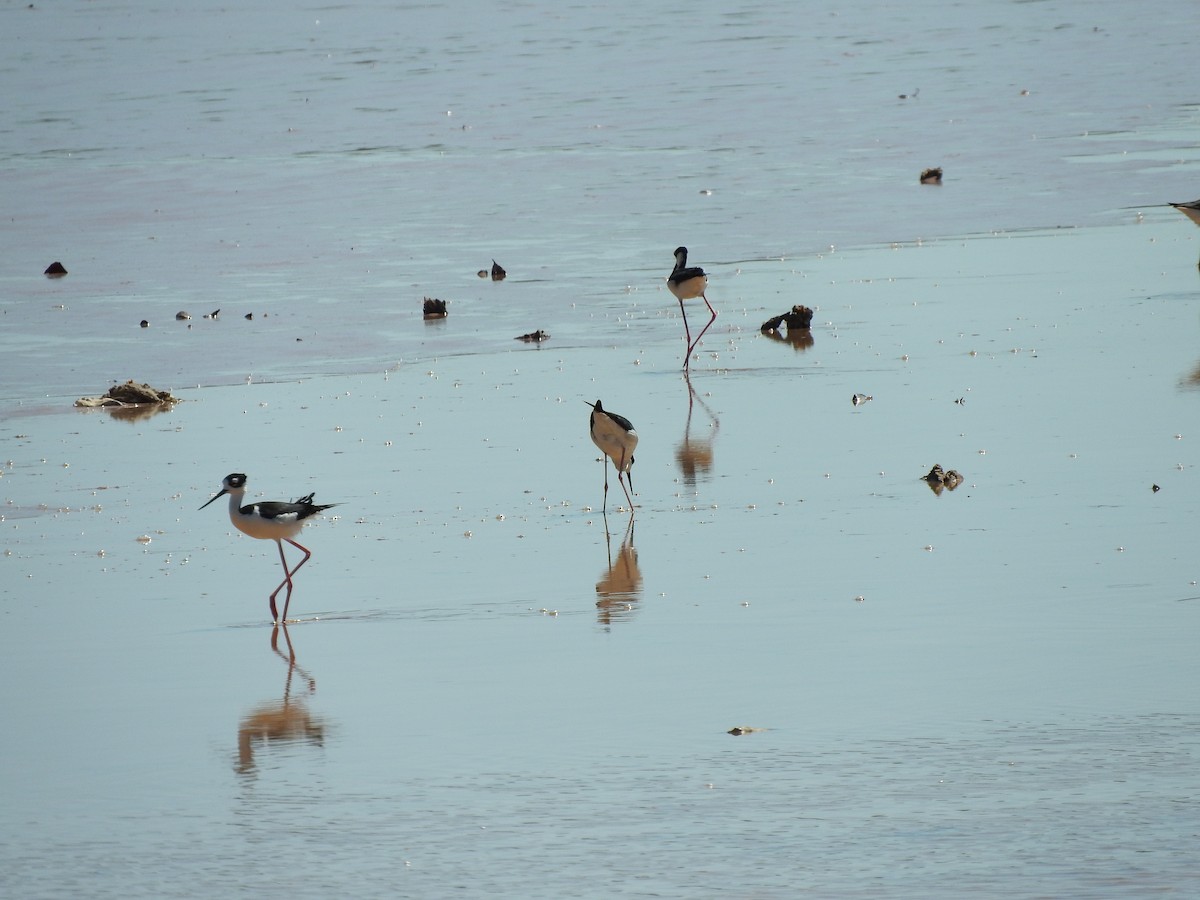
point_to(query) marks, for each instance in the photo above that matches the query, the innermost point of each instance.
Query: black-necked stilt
(687, 282)
(271, 520)
(615, 437)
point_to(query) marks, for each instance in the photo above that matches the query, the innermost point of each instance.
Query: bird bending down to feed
(687, 282)
(271, 520)
(615, 437)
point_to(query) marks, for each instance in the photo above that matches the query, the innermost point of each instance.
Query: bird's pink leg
(686, 331)
(687, 355)
(301, 547)
(288, 599)
(713, 318)
(621, 478)
(287, 577)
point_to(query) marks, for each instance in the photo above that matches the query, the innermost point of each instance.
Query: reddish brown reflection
(619, 589)
(695, 455)
(287, 720)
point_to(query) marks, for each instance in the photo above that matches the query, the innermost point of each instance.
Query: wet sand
(788, 568)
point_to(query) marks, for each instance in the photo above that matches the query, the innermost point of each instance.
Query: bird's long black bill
(215, 496)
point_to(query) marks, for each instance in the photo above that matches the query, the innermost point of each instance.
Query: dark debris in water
(940, 479)
(797, 317)
(792, 327)
(130, 400)
(534, 337)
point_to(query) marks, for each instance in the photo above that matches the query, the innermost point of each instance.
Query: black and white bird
(687, 282)
(617, 440)
(272, 520)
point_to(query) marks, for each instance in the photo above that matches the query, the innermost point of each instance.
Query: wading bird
(615, 437)
(687, 282)
(271, 520)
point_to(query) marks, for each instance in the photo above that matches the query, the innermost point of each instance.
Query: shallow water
(990, 690)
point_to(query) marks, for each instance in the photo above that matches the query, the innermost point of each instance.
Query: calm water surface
(488, 692)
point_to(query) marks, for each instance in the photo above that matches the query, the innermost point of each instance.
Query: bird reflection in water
(620, 587)
(695, 454)
(288, 720)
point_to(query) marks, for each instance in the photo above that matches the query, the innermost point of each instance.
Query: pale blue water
(989, 692)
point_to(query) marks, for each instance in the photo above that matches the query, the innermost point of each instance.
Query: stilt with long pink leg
(272, 520)
(687, 282)
(617, 440)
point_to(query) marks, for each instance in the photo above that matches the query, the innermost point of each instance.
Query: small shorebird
(271, 520)
(1191, 210)
(615, 437)
(687, 282)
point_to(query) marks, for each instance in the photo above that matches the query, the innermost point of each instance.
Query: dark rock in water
(533, 337)
(799, 317)
(798, 332)
(434, 308)
(931, 176)
(55, 270)
(129, 394)
(940, 479)
(498, 273)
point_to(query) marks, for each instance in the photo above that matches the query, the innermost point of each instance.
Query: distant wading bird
(271, 520)
(615, 437)
(686, 283)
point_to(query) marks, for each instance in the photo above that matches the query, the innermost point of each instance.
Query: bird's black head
(681, 252)
(233, 482)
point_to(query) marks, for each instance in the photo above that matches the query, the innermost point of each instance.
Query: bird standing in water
(271, 520)
(615, 437)
(687, 282)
